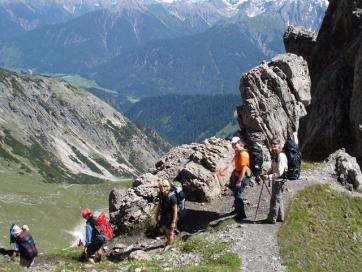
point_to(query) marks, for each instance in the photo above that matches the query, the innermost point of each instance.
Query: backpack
(256, 157)
(26, 245)
(102, 225)
(294, 156)
(176, 188)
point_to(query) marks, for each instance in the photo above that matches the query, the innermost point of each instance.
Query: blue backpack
(294, 156)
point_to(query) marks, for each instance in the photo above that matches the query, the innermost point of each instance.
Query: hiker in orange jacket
(240, 177)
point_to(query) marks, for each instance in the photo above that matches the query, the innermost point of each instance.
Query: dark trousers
(238, 195)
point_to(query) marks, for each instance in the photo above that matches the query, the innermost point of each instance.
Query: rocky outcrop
(346, 168)
(203, 169)
(275, 96)
(334, 116)
(300, 41)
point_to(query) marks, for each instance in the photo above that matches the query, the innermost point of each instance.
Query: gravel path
(257, 244)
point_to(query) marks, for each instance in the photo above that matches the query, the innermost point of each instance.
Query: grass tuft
(310, 165)
(323, 231)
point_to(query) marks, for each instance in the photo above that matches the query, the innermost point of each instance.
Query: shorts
(92, 248)
(166, 220)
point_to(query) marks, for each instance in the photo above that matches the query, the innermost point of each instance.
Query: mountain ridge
(67, 134)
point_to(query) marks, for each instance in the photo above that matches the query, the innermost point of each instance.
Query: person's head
(86, 213)
(25, 227)
(276, 146)
(164, 186)
(16, 230)
(237, 144)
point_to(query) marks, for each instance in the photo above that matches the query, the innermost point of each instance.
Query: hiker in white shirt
(277, 175)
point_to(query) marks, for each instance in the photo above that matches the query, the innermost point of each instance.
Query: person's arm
(244, 168)
(88, 233)
(174, 216)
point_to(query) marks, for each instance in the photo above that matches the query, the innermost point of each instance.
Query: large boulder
(203, 169)
(334, 116)
(346, 168)
(275, 96)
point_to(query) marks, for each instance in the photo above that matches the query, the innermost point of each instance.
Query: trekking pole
(257, 208)
(267, 187)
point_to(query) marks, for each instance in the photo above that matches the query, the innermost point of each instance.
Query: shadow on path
(6, 252)
(196, 220)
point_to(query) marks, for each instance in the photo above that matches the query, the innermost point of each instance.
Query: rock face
(203, 169)
(65, 132)
(334, 116)
(346, 168)
(300, 41)
(275, 96)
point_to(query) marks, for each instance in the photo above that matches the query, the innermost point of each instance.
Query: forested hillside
(185, 118)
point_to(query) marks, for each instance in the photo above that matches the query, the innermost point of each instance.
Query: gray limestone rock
(346, 168)
(300, 41)
(334, 117)
(139, 255)
(203, 169)
(275, 96)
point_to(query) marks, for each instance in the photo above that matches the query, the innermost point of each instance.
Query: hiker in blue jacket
(93, 239)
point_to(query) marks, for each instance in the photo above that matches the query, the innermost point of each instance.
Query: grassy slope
(214, 258)
(323, 232)
(50, 210)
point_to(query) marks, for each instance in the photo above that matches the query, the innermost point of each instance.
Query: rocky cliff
(66, 134)
(275, 96)
(334, 117)
(203, 169)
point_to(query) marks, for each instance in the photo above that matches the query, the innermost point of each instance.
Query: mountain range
(149, 47)
(68, 135)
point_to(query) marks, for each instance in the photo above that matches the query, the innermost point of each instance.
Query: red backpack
(102, 225)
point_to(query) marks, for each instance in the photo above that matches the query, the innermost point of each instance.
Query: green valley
(52, 211)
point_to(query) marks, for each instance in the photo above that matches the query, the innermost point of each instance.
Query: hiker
(25, 245)
(166, 214)
(94, 239)
(277, 175)
(15, 251)
(240, 177)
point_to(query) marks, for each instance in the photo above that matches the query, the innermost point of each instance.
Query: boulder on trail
(346, 168)
(203, 169)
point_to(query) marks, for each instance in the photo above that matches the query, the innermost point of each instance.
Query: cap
(86, 213)
(16, 229)
(234, 140)
(25, 227)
